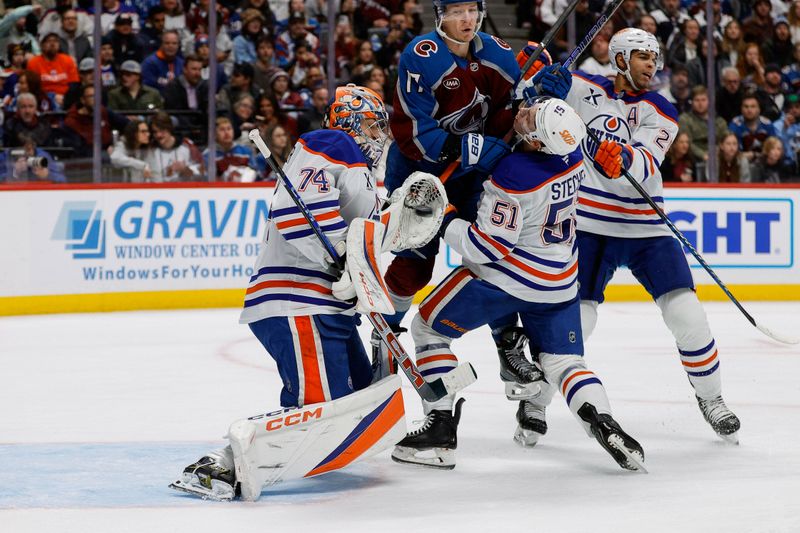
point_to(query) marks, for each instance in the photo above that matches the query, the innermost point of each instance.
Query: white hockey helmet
(439, 8)
(552, 122)
(628, 40)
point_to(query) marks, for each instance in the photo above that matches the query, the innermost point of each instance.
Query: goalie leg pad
(319, 438)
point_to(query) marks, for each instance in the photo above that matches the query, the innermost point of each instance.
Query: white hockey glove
(343, 287)
(414, 213)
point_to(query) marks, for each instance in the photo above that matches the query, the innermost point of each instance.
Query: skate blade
(526, 438)
(518, 391)
(733, 438)
(635, 459)
(221, 492)
(439, 458)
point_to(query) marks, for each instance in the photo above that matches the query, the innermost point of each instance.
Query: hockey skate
(208, 478)
(434, 443)
(531, 423)
(519, 374)
(621, 446)
(722, 420)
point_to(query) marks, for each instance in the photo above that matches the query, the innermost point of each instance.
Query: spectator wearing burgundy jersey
(750, 128)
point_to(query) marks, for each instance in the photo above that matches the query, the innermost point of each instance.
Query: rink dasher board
(121, 247)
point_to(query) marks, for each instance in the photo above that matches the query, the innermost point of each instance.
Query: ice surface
(99, 412)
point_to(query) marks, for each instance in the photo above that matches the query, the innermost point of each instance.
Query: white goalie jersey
(523, 240)
(293, 275)
(646, 123)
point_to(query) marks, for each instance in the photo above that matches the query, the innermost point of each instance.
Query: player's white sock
(434, 358)
(577, 384)
(684, 316)
(588, 318)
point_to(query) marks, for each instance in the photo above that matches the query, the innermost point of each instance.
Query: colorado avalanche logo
(607, 128)
(469, 118)
(425, 48)
(501, 43)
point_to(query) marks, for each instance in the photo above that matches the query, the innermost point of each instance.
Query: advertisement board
(131, 241)
(128, 247)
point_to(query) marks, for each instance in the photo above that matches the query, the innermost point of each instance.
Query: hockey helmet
(359, 112)
(628, 40)
(552, 122)
(440, 6)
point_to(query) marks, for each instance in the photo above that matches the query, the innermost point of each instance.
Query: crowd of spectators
(154, 70)
(272, 74)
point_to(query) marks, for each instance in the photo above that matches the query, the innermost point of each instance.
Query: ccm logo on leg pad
(292, 419)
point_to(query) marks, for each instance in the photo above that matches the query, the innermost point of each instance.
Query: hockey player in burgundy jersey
(615, 226)
(519, 256)
(452, 101)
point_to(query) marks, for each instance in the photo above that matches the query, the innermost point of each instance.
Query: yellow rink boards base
(198, 299)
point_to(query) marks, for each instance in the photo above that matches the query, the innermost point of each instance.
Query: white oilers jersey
(647, 124)
(293, 275)
(523, 240)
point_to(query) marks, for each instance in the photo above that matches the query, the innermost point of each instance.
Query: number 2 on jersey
(558, 228)
(313, 176)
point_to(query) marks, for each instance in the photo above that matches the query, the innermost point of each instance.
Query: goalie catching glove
(414, 213)
(411, 219)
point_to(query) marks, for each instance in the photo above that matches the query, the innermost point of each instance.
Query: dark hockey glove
(482, 153)
(451, 149)
(554, 80)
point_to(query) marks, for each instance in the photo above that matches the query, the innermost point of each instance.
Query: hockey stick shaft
(432, 391)
(550, 35)
(688, 245)
(604, 17)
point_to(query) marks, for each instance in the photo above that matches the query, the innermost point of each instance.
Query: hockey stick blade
(780, 338)
(457, 379)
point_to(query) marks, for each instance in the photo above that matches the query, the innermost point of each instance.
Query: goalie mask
(440, 13)
(552, 122)
(360, 113)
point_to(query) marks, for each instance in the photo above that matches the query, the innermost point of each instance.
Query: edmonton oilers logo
(607, 128)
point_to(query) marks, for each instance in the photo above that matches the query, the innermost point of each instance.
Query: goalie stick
(688, 245)
(450, 383)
